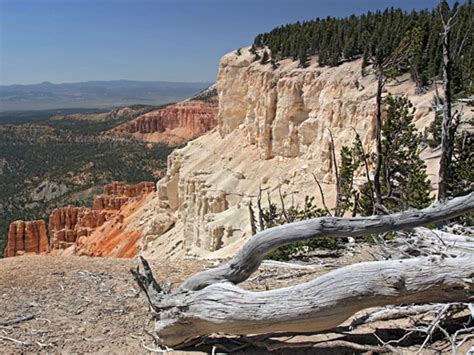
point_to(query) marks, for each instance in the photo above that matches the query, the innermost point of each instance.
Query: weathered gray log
(425, 242)
(250, 256)
(209, 302)
(391, 313)
(321, 304)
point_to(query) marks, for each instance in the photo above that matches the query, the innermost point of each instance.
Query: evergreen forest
(376, 36)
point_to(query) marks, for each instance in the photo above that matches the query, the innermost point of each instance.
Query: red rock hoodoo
(68, 224)
(175, 123)
(26, 237)
(79, 226)
(118, 194)
(122, 189)
(106, 202)
(120, 201)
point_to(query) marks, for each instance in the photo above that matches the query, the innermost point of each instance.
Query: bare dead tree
(261, 223)
(384, 70)
(447, 130)
(336, 169)
(323, 199)
(378, 140)
(253, 227)
(283, 208)
(210, 302)
(366, 164)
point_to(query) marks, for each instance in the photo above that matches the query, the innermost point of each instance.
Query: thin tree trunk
(283, 209)
(446, 131)
(253, 227)
(261, 223)
(336, 170)
(321, 192)
(378, 138)
(366, 165)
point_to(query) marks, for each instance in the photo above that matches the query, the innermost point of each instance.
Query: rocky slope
(97, 231)
(68, 224)
(173, 124)
(43, 167)
(272, 131)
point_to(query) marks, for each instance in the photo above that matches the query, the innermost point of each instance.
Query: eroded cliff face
(117, 194)
(100, 230)
(273, 130)
(26, 237)
(174, 124)
(68, 224)
(123, 189)
(106, 229)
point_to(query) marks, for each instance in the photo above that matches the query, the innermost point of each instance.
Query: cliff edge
(272, 131)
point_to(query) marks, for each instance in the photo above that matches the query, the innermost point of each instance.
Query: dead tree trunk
(253, 227)
(378, 139)
(249, 257)
(209, 302)
(447, 133)
(336, 170)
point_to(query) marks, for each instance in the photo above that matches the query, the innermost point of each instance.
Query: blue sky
(173, 40)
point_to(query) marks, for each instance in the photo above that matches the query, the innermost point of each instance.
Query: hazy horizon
(75, 41)
(111, 80)
(95, 94)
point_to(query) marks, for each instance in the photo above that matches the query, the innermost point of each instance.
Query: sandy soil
(79, 304)
(83, 304)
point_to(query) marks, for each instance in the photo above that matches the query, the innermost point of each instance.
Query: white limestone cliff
(272, 131)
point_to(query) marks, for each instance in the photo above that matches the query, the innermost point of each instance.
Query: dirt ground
(78, 304)
(82, 304)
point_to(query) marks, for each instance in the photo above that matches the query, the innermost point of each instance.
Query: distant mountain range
(94, 94)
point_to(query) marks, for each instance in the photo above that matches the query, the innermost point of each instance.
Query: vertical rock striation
(72, 226)
(26, 237)
(273, 130)
(175, 123)
(68, 224)
(123, 189)
(97, 231)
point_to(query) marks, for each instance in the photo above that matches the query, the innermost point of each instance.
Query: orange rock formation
(175, 123)
(106, 202)
(78, 227)
(26, 237)
(122, 189)
(96, 231)
(115, 237)
(117, 194)
(67, 224)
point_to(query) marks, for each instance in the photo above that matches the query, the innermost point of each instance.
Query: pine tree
(404, 180)
(378, 35)
(265, 58)
(434, 129)
(303, 57)
(350, 162)
(462, 179)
